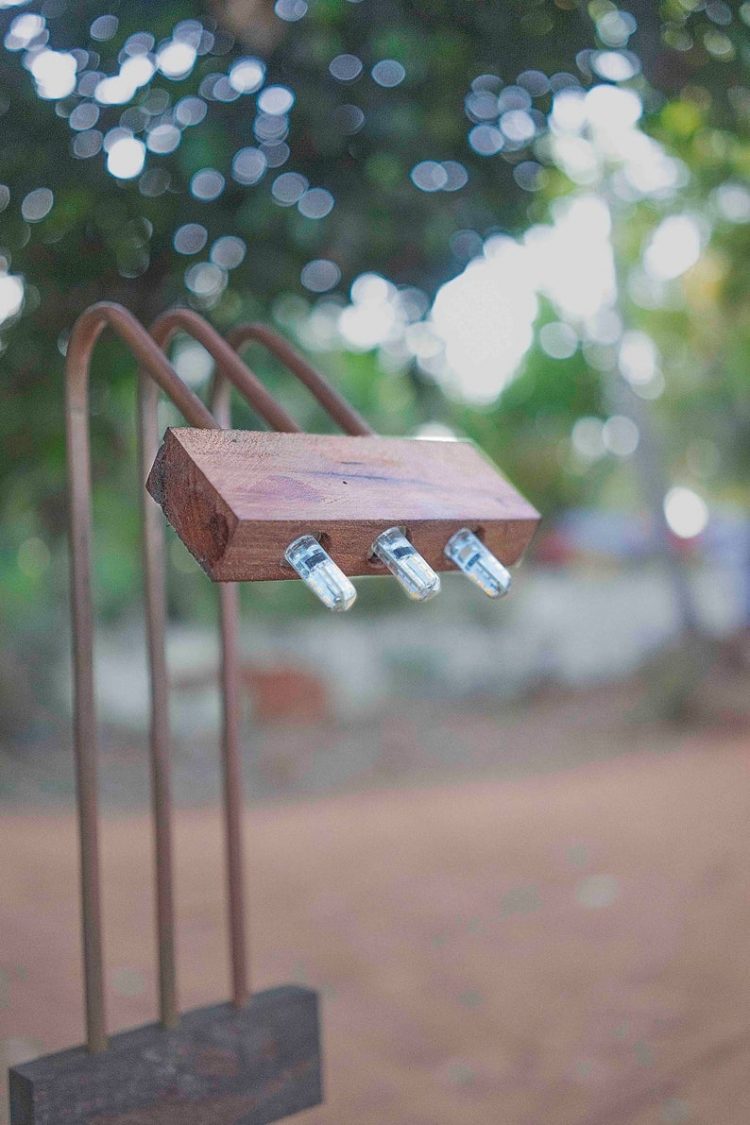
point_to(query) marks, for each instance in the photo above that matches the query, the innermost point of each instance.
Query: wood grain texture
(238, 498)
(221, 1066)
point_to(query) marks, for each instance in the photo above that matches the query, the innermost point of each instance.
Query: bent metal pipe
(156, 372)
(231, 371)
(83, 339)
(334, 403)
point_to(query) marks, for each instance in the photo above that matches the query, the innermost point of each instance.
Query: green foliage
(112, 238)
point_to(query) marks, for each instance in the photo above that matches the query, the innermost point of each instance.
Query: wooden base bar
(221, 1066)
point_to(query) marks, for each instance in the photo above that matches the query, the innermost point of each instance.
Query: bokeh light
(176, 59)
(345, 68)
(228, 252)
(276, 101)
(620, 435)
(54, 73)
(388, 73)
(290, 10)
(486, 140)
(249, 165)
(320, 275)
(686, 512)
(24, 30)
(558, 340)
(247, 75)
(207, 184)
(316, 203)
(288, 188)
(37, 205)
(206, 281)
(673, 248)
(587, 438)
(126, 157)
(190, 238)
(11, 296)
(484, 318)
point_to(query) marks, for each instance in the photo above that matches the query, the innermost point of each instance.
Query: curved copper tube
(153, 561)
(231, 371)
(229, 363)
(229, 619)
(335, 405)
(84, 335)
(156, 372)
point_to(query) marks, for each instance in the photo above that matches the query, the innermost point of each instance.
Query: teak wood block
(221, 1066)
(238, 498)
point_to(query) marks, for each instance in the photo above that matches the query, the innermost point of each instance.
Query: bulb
(320, 574)
(479, 565)
(415, 576)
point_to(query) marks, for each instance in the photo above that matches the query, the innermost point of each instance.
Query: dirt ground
(566, 949)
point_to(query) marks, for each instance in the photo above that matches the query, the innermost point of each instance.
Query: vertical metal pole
(352, 422)
(234, 371)
(84, 719)
(152, 547)
(232, 781)
(229, 616)
(83, 338)
(157, 372)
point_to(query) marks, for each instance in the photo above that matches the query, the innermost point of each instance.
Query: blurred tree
(253, 159)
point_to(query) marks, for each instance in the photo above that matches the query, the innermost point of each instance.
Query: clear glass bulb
(415, 576)
(320, 574)
(470, 555)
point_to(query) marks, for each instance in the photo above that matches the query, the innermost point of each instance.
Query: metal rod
(229, 607)
(229, 363)
(229, 617)
(84, 336)
(154, 592)
(232, 372)
(235, 370)
(347, 417)
(156, 372)
(335, 405)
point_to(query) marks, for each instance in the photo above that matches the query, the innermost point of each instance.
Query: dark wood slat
(221, 1066)
(238, 498)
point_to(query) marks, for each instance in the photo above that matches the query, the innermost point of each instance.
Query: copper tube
(154, 592)
(229, 609)
(229, 616)
(232, 372)
(229, 363)
(83, 338)
(157, 372)
(335, 405)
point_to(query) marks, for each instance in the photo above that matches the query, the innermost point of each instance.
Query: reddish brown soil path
(570, 950)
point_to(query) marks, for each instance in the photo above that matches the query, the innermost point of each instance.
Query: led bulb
(471, 556)
(320, 574)
(415, 576)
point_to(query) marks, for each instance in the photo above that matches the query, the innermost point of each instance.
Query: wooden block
(221, 1066)
(238, 498)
